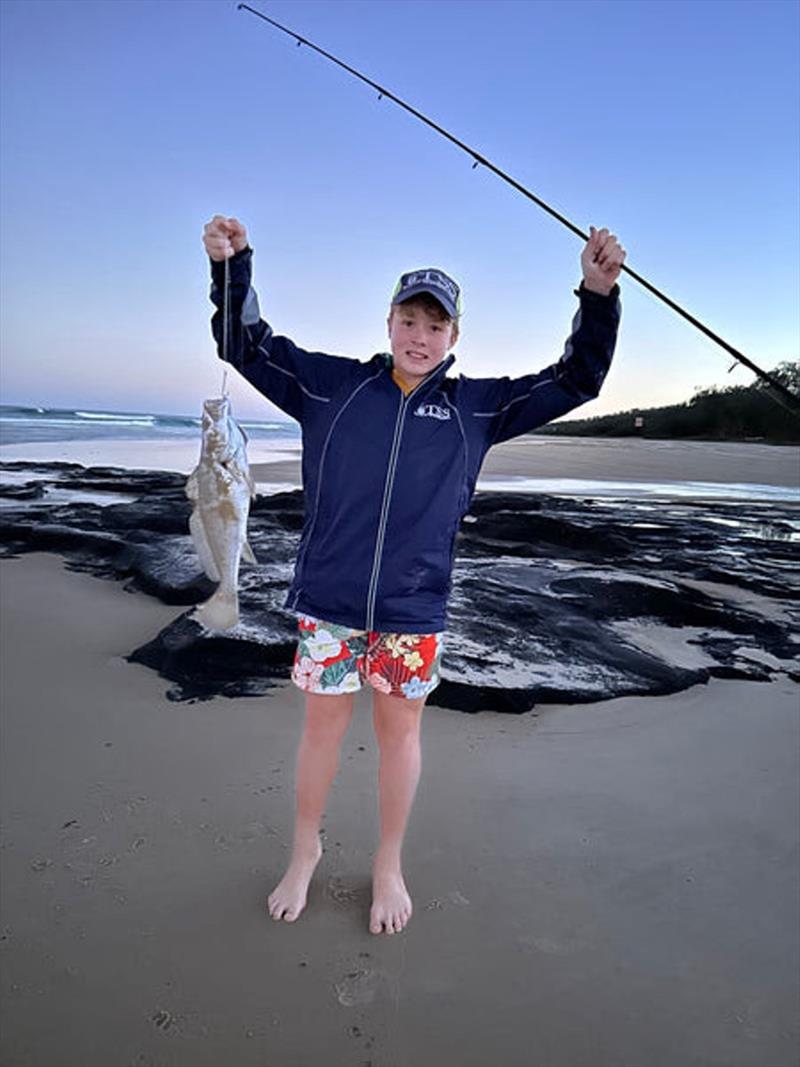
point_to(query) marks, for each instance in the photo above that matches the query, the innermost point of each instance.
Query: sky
(127, 125)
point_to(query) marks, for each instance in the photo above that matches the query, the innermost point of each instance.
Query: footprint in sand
(549, 945)
(339, 891)
(453, 896)
(357, 987)
(253, 831)
(357, 1032)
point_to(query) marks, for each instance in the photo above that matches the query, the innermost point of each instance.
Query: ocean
(24, 425)
(603, 467)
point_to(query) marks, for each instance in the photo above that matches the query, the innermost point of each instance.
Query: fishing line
(225, 325)
(774, 388)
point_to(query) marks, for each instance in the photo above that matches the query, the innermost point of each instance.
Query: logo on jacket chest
(432, 411)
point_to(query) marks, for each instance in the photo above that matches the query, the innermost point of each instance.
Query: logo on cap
(433, 281)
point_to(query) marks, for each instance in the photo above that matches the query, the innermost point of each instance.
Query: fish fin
(202, 547)
(221, 612)
(192, 490)
(240, 469)
(247, 553)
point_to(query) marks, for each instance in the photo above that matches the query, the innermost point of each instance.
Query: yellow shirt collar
(401, 382)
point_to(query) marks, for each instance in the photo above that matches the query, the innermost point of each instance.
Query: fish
(220, 489)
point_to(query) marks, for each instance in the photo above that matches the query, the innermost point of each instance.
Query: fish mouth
(217, 407)
(216, 413)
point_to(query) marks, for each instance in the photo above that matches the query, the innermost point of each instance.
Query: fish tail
(221, 612)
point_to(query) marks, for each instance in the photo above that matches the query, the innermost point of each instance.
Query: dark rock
(28, 491)
(54, 467)
(554, 599)
(67, 540)
(242, 662)
(165, 515)
(168, 570)
(119, 480)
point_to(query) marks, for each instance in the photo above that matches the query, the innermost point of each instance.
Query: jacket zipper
(372, 591)
(387, 492)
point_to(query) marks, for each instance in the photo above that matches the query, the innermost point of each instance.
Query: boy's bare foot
(391, 904)
(288, 898)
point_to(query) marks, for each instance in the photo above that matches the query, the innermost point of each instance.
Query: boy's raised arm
(289, 376)
(514, 406)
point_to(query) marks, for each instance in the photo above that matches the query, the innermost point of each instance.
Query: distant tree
(787, 373)
(731, 412)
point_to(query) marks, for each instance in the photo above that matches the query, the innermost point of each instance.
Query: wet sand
(590, 459)
(606, 885)
(619, 460)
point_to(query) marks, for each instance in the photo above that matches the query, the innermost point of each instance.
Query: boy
(391, 454)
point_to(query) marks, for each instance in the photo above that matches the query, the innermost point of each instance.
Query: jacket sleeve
(289, 376)
(514, 406)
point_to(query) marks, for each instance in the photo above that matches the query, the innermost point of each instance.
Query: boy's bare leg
(397, 727)
(327, 719)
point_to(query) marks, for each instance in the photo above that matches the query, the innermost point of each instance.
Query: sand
(606, 885)
(590, 461)
(633, 459)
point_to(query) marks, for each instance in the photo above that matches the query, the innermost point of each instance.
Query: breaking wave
(20, 424)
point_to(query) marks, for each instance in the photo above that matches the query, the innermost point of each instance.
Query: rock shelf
(555, 599)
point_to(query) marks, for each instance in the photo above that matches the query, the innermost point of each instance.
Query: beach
(570, 464)
(611, 884)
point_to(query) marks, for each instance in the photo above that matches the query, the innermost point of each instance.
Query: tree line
(730, 413)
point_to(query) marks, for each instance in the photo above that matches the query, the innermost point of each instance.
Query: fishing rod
(774, 387)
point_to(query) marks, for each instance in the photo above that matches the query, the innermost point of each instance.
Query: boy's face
(420, 340)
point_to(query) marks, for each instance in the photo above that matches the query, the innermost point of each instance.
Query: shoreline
(569, 465)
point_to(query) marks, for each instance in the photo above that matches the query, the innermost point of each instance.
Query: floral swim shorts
(334, 659)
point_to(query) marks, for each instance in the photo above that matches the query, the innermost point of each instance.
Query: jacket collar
(434, 376)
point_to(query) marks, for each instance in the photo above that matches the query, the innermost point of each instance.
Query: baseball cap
(429, 280)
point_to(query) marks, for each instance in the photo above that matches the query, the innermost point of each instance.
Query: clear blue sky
(126, 125)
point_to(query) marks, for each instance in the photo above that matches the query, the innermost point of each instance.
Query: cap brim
(437, 295)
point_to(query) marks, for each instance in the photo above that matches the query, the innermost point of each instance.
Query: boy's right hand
(223, 238)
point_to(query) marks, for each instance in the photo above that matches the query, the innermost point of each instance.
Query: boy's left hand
(601, 260)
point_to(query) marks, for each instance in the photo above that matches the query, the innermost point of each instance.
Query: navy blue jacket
(387, 477)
